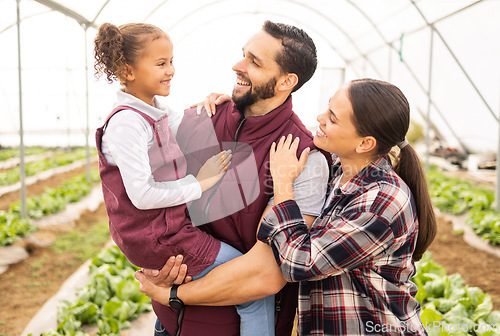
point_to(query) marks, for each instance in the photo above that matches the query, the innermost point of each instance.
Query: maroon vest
(200, 137)
(149, 237)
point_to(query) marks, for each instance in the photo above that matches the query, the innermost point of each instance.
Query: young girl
(358, 255)
(143, 171)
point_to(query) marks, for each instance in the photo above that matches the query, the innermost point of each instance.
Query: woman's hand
(213, 170)
(285, 167)
(209, 104)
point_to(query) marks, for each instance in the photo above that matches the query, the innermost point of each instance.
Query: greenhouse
(60, 270)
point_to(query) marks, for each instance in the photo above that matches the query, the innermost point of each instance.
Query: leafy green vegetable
(449, 306)
(110, 299)
(13, 226)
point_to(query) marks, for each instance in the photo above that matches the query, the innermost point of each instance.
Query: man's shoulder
(298, 125)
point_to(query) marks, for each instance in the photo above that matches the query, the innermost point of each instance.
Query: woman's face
(336, 132)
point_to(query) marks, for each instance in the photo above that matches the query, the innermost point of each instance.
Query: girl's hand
(213, 170)
(283, 161)
(209, 104)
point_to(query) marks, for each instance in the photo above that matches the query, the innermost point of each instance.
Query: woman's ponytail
(381, 110)
(410, 169)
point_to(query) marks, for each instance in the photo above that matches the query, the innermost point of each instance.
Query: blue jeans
(257, 317)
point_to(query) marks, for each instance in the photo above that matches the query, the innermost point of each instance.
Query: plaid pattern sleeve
(352, 240)
(355, 263)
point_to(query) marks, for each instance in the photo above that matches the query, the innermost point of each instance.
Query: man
(276, 61)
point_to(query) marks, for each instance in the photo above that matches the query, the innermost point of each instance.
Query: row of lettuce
(449, 306)
(12, 175)
(10, 153)
(458, 196)
(53, 200)
(112, 298)
(109, 301)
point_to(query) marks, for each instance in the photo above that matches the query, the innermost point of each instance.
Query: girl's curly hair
(116, 47)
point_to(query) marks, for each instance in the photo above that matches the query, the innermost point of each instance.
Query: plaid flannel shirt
(355, 263)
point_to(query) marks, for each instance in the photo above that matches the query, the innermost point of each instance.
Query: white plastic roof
(456, 81)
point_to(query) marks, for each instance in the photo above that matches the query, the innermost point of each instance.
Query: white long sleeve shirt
(125, 143)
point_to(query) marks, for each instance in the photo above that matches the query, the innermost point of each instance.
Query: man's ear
(366, 145)
(288, 82)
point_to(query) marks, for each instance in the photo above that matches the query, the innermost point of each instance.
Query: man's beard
(255, 94)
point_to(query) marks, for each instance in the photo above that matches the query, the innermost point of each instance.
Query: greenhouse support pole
(429, 104)
(497, 195)
(389, 66)
(22, 167)
(87, 128)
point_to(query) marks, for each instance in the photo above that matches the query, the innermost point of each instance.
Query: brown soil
(26, 286)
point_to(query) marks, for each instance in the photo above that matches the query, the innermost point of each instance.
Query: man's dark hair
(298, 55)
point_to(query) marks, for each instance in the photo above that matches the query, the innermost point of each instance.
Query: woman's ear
(366, 145)
(288, 82)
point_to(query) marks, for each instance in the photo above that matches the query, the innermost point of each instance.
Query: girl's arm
(125, 144)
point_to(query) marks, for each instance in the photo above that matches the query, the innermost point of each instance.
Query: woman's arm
(351, 238)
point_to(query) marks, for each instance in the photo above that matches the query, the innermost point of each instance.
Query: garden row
(457, 196)
(10, 153)
(112, 298)
(12, 175)
(449, 306)
(13, 226)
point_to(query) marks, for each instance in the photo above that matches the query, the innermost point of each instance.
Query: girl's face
(153, 71)
(336, 132)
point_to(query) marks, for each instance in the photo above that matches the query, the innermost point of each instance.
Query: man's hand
(156, 284)
(173, 272)
(209, 104)
(154, 292)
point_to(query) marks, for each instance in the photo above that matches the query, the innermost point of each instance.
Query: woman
(355, 262)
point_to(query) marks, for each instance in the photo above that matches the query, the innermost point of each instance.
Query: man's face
(257, 73)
